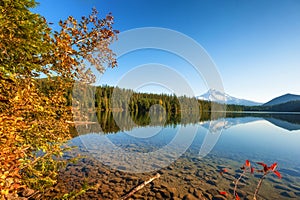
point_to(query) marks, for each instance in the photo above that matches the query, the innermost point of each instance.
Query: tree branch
(140, 187)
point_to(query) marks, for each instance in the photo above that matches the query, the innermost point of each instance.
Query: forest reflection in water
(113, 122)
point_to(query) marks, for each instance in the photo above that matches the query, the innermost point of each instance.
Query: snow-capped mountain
(220, 97)
(226, 123)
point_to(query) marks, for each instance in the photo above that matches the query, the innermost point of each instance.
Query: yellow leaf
(4, 192)
(3, 176)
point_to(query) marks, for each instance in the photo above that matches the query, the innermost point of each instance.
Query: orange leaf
(247, 163)
(223, 193)
(237, 197)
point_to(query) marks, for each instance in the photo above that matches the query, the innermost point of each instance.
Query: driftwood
(80, 122)
(140, 187)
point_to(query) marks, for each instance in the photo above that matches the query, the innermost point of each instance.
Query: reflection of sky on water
(260, 140)
(251, 138)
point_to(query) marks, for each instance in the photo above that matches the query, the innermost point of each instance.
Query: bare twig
(258, 186)
(237, 182)
(140, 187)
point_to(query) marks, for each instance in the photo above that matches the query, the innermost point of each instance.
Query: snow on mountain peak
(221, 97)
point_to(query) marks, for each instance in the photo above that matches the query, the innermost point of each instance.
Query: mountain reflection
(113, 122)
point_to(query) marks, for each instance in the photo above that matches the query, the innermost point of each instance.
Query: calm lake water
(205, 148)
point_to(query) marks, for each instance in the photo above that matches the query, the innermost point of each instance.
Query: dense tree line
(291, 106)
(108, 98)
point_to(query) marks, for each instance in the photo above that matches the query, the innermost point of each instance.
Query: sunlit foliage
(33, 123)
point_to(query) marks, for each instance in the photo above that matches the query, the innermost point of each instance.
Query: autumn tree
(33, 122)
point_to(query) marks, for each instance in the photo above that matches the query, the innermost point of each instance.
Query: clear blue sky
(254, 44)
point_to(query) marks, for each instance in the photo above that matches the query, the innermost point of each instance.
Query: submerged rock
(189, 197)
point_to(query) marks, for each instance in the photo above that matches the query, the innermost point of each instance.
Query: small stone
(116, 180)
(121, 168)
(294, 187)
(187, 168)
(104, 188)
(176, 198)
(163, 185)
(118, 189)
(288, 194)
(207, 195)
(248, 197)
(198, 194)
(189, 197)
(191, 190)
(213, 192)
(188, 178)
(181, 196)
(113, 195)
(211, 182)
(138, 196)
(158, 196)
(151, 194)
(27, 192)
(165, 194)
(282, 187)
(219, 197)
(178, 175)
(106, 194)
(173, 191)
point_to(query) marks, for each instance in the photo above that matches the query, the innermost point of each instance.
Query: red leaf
(247, 163)
(273, 166)
(224, 170)
(252, 170)
(264, 165)
(277, 174)
(237, 197)
(223, 193)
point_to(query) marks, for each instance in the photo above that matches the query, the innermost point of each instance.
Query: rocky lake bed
(186, 178)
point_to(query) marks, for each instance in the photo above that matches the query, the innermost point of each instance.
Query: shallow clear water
(226, 142)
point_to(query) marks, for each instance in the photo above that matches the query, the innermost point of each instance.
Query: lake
(189, 156)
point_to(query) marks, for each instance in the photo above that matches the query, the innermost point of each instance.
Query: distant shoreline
(260, 112)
